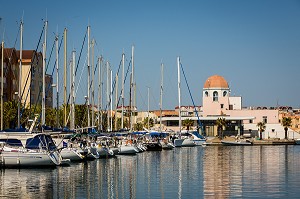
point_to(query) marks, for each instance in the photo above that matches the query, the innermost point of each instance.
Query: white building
(217, 103)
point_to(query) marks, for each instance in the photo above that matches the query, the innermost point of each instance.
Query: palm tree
(221, 123)
(286, 122)
(188, 123)
(262, 128)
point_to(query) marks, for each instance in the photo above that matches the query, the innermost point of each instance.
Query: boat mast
(161, 94)
(110, 100)
(88, 65)
(116, 100)
(20, 73)
(122, 115)
(57, 81)
(72, 92)
(2, 66)
(132, 88)
(107, 94)
(179, 96)
(93, 85)
(148, 108)
(99, 91)
(65, 77)
(44, 75)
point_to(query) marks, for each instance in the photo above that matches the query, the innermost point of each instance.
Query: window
(222, 105)
(206, 94)
(265, 119)
(224, 93)
(250, 121)
(215, 96)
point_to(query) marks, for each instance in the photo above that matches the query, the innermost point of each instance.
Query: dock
(217, 141)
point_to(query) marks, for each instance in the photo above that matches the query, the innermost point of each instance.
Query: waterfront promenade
(254, 141)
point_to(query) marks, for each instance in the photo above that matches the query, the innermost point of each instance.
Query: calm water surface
(196, 172)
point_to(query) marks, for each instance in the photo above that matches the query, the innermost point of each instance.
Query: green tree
(261, 127)
(80, 115)
(50, 117)
(187, 123)
(151, 123)
(221, 124)
(286, 122)
(10, 111)
(138, 126)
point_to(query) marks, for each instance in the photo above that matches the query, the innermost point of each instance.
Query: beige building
(32, 79)
(31, 82)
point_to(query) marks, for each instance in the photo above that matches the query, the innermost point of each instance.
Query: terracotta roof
(165, 113)
(26, 54)
(216, 81)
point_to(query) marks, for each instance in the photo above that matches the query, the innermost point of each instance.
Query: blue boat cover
(40, 141)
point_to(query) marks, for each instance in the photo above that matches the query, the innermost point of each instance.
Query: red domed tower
(215, 96)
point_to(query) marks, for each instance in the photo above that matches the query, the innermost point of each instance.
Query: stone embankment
(217, 141)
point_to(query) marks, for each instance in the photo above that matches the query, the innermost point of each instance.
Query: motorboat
(198, 139)
(35, 151)
(188, 142)
(297, 141)
(236, 142)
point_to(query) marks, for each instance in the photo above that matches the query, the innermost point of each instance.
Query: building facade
(31, 77)
(10, 74)
(218, 103)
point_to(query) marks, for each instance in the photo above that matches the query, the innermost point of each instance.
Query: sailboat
(24, 149)
(126, 147)
(19, 149)
(166, 145)
(178, 141)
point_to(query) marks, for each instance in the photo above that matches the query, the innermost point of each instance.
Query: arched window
(224, 93)
(206, 94)
(215, 96)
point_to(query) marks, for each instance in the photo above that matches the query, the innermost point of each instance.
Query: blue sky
(254, 44)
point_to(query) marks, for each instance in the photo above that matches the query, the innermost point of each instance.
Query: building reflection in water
(239, 171)
(197, 172)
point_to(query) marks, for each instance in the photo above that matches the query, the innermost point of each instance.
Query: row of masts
(90, 100)
(90, 67)
(109, 89)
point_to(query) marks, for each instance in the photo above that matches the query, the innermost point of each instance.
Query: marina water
(195, 172)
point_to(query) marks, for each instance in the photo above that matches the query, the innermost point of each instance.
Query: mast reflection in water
(196, 172)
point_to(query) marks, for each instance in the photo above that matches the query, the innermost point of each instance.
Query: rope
(198, 121)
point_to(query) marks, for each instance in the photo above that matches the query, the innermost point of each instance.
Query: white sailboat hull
(127, 150)
(71, 153)
(29, 159)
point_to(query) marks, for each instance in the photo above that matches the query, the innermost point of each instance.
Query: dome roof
(216, 81)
